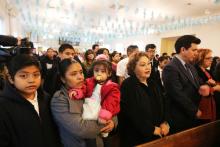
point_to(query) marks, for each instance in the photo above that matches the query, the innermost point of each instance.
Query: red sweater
(110, 95)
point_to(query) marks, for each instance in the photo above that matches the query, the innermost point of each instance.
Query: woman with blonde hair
(207, 104)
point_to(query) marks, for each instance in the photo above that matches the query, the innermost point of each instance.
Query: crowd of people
(70, 99)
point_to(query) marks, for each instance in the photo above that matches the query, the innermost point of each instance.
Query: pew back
(207, 135)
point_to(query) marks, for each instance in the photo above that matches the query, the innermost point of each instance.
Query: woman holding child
(67, 108)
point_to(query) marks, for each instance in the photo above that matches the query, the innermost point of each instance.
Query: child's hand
(72, 94)
(76, 94)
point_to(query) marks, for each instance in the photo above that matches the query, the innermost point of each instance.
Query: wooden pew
(207, 135)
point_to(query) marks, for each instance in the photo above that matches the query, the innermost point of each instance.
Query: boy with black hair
(25, 117)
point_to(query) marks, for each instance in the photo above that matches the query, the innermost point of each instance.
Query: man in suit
(150, 50)
(182, 85)
(163, 61)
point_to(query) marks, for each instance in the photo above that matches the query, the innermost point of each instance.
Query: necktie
(190, 73)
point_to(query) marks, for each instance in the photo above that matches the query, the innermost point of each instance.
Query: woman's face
(90, 56)
(143, 68)
(207, 60)
(116, 58)
(105, 52)
(163, 63)
(74, 77)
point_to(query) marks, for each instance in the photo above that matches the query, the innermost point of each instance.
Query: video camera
(10, 47)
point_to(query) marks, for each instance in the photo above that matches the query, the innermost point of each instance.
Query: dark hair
(94, 46)
(131, 48)
(88, 52)
(164, 54)
(65, 46)
(101, 51)
(153, 46)
(21, 61)
(173, 54)
(64, 65)
(107, 65)
(162, 58)
(49, 49)
(214, 64)
(113, 54)
(133, 62)
(186, 41)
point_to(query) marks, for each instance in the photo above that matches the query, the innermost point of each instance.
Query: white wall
(209, 34)
(4, 18)
(16, 29)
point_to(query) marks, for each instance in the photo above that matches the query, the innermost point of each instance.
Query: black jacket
(154, 66)
(142, 108)
(49, 75)
(217, 72)
(20, 125)
(183, 94)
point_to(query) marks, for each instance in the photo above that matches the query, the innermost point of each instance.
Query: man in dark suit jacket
(182, 84)
(150, 50)
(163, 61)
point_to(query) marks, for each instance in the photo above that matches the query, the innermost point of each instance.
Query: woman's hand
(211, 82)
(216, 88)
(108, 127)
(165, 128)
(204, 90)
(157, 131)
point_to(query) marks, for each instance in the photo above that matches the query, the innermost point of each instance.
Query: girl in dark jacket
(25, 118)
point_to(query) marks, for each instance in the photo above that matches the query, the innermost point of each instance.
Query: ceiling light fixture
(189, 3)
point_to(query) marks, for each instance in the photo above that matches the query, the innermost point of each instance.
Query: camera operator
(17, 46)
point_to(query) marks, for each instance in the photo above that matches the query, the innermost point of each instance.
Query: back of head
(65, 46)
(186, 41)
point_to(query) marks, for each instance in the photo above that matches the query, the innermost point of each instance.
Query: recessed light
(207, 11)
(189, 4)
